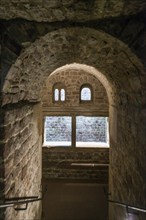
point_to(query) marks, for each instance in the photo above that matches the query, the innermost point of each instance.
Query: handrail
(127, 206)
(12, 202)
(136, 208)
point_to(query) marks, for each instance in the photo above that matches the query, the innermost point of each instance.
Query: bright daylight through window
(85, 94)
(86, 131)
(59, 94)
(58, 130)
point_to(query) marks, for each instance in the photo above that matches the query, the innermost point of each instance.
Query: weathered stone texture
(128, 159)
(22, 165)
(57, 164)
(73, 80)
(44, 10)
(69, 46)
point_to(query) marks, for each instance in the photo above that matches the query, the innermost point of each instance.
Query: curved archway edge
(112, 58)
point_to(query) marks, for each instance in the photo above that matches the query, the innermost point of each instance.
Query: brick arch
(108, 55)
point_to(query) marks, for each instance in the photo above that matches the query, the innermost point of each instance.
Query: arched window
(59, 93)
(56, 94)
(62, 94)
(85, 93)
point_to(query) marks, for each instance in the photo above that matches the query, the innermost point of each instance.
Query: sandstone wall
(22, 159)
(127, 158)
(57, 164)
(121, 68)
(73, 79)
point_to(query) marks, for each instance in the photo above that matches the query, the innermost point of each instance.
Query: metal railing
(128, 207)
(15, 202)
(18, 201)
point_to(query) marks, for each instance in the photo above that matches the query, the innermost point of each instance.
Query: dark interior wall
(56, 10)
(74, 201)
(2, 173)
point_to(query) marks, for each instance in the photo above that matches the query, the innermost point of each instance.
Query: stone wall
(73, 79)
(55, 10)
(17, 34)
(22, 159)
(128, 156)
(57, 164)
(44, 59)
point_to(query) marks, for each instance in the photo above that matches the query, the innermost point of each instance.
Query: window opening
(56, 94)
(86, 94)
(79, 131)
(57, 131)
(91, 131)
(62, 92)
(59, 93)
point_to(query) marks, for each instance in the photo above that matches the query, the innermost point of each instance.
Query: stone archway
(110, 56)
(122, 70)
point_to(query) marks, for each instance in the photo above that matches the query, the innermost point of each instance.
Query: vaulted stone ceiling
(24, 21)
(79, 10)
